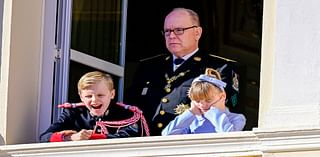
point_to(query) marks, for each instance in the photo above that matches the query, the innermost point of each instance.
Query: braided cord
(137, 115)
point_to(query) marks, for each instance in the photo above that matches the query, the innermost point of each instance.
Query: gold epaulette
(226, 59)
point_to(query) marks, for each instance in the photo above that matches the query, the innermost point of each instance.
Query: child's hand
(195, 109)
(68, 132)
(81, 135)
(220, 105)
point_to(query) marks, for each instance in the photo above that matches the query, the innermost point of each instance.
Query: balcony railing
(247, 144)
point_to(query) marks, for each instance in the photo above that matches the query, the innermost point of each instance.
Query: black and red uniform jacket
(79, 118)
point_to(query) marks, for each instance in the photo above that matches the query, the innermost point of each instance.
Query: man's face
(183, 44)
(97, 98)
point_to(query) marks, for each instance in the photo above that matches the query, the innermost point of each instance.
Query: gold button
(160, 125)
(198, 59)
(162, 112)
(147, 82)
(164, 100)
(168, 90)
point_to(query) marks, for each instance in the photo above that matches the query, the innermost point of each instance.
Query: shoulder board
(226, 59)
(154, 57)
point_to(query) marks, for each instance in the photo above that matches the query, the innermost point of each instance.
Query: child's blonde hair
(203, 90)
(92, 78)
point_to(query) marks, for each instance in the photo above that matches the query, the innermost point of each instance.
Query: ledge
(235, 144)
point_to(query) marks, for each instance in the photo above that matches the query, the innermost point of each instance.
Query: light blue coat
(212, 121)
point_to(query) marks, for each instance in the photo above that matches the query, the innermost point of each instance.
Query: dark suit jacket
(159, 103)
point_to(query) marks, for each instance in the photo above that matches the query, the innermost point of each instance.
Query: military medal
(181, 108)
(235, 81)
(145, 89)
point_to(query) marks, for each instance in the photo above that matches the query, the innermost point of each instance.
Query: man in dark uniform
(161, 83)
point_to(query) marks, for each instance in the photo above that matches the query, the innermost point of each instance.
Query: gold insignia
(170, 80)
(198, 59)
(235, 81)
(181, 108)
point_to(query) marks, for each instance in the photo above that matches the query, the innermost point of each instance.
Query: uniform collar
(186, 57)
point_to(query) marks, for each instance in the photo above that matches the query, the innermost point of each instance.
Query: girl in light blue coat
(208, 113)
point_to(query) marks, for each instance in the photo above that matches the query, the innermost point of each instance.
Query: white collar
(186, 56)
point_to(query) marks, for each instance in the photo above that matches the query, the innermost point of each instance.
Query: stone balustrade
(254, 143)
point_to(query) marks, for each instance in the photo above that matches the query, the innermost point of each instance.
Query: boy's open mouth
(96, 106)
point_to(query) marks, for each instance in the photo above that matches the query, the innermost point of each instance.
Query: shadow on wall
(1, 140)
(4, 154)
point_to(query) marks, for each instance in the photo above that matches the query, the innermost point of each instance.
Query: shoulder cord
(137, 115)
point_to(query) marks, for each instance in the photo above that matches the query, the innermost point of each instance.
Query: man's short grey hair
(194, 16)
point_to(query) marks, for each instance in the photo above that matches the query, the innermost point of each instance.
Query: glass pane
(96, 26)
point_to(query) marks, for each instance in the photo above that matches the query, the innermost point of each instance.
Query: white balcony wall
(26, 68)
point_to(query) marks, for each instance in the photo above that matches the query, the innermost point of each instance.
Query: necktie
(178, 61)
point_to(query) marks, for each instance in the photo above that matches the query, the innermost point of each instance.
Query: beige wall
(267, 58)
(290, 88)
(20, 70)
